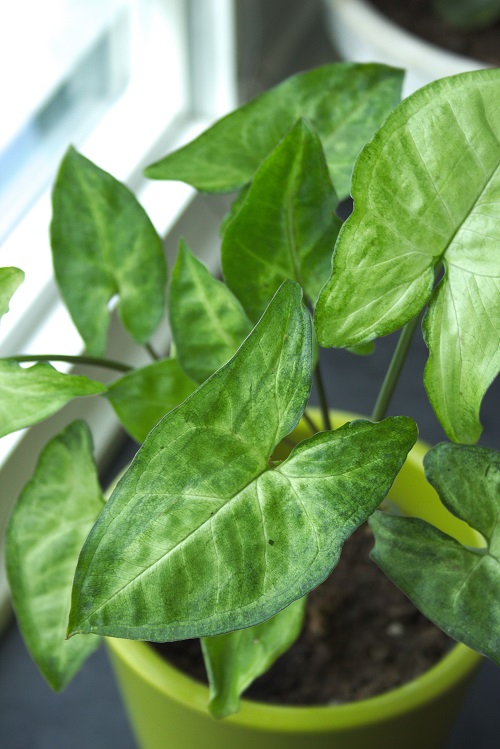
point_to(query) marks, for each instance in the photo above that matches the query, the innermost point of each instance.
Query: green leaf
(364, 349)
(10, 280)
(233, 661)
(208, 323)
(462, 330)
(426, 192)
(456, 587)
(346, 103)
(234, 210)
(287, 226)
(32, 394)
(141, 398)
(104, 245)
(48, 526)
(183, 484)
(182, 549)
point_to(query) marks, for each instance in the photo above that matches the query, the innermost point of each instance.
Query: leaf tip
(220, 708)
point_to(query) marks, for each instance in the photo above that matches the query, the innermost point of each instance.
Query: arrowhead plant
(223, 522)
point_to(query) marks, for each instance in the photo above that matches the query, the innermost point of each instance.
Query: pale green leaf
(182, 549)
(426, 192)
(46, 531)
(286, 227)
(142, 397)
(346, 102)
(31, 394)
(456, 587)
(10, 280)
(462, 330)
(233, 661)
(208, 323)
(191, 466)
(104, 245)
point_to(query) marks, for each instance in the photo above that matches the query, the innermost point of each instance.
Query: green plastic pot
(168, 710)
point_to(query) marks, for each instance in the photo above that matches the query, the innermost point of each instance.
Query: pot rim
(409, 49)
(167, 680)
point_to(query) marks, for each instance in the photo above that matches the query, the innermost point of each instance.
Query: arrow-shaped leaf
(287, 226)
(208, 322)
(142, 397)
(103, 245)
(426, 192)
(48, 526)
(183, 548)
(32, 394)
(233, 661)
(346, 103)
(10, 280)
(182, 484)
(456, 587)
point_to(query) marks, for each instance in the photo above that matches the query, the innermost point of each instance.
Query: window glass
(68, 60)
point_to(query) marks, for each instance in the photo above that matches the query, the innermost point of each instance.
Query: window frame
(36, 310)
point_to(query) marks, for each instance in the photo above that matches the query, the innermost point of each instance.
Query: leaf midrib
(290, 220)
(104, 243)
(147, 570)
(475, 200)
(229, 341)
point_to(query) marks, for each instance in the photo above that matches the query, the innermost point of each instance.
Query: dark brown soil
(362, 637)
(418, 17)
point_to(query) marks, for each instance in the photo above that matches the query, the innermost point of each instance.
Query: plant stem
(153, 354)
(312, 426)
(323, 403)
(322, 398)
(92, 361)
(394, 371)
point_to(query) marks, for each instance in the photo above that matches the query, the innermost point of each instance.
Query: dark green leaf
(144, 396)
(234, 210)
(208, 323)
(182, 549)
(346, 103)
(32, 394)
(364, 349)
(48, 526)
(233, 661)
(286, 227)
(10, 280)
(426, 192)
(456, 586)
(104, 245)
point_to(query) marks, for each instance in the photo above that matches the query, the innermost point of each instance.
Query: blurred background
(126, 81)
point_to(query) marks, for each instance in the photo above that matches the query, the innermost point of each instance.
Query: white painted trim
(37, 316)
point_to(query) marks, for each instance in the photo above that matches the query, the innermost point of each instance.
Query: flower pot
(359, 32)
(169, 709)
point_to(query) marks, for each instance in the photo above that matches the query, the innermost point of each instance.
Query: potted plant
(430, 39)
(232, 511)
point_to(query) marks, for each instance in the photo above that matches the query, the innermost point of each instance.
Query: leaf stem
(392, 376)
(151, 351)
(323, 403)
(92, 361)
(320, 388)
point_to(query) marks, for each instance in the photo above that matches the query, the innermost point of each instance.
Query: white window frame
(37, 315)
